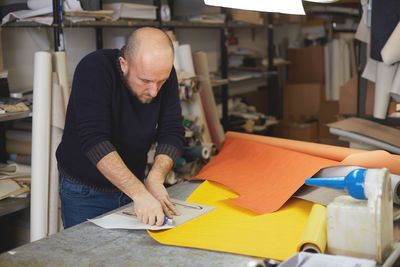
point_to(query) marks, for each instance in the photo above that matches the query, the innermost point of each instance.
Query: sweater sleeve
(170, 138)
(91, 94)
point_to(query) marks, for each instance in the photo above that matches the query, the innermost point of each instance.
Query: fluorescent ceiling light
(294, 7)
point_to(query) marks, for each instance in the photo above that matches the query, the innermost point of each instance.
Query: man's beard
(133, 92)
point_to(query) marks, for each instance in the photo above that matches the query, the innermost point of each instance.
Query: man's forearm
(160, 169)
(115, 170)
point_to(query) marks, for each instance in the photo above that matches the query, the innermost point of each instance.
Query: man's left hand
(158, 190)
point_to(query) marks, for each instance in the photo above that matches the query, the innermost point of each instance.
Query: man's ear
(124, 65)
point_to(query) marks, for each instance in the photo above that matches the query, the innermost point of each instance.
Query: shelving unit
(58, 26)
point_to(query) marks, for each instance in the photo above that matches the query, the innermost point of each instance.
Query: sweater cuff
(99, 151)
(168, 150)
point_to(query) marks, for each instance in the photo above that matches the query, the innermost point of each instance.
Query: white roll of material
(208, 99)
(40, 144)
(60, 66)
(370, 70)
(176, 56)
(57, 126)
(185, 59)
(384, 79)
(390, 52)
(206, 152)
(39, 4)
(395, 91)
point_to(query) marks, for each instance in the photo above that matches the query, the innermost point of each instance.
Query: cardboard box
(285, 18)
(257, 99)
(131, 11)
(328, 113)
(301, 101)
(211, 10)
(253, 17)
(297, 131)
(349, 96)
(393, 107)
(307, 65)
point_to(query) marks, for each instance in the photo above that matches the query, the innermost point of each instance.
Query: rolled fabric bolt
(180, 162)
(185, 59)
(311, 248)
(212, 147)
(196, 129)
(12, 156)
(195, 152)
(384, 80)
(40, 145)
(176, 59)
(23, 159)
(186, 168)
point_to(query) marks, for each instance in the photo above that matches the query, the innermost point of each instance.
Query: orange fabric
(374, 159)
(347, 156)
(264, 176)
(320, 150)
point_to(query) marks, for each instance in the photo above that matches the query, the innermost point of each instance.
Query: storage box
(307, 65)
(349, 97)
(257, 99)
(328, 113)
(131, 11)
(297, 131)
(285, 18)
(301, 101)
(247, 16)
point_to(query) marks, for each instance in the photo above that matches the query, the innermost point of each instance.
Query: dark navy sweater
(104, 116)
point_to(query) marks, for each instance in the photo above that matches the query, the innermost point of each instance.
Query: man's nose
(153, 90)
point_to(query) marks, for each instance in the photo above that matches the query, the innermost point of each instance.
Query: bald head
(151, 41)
(147, 62)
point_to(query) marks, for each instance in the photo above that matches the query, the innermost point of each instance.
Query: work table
(89, 245)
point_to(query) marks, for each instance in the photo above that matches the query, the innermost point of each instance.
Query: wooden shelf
(216, 83)
(261, 68)
(11, 205)
(26, 24)
(190, 24)
(15, 115)
(235, 24)
(111, 24)
(139, 23)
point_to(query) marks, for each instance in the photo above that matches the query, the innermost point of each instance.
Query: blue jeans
(79, 202)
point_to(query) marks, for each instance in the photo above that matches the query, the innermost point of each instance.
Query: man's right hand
(148, 209)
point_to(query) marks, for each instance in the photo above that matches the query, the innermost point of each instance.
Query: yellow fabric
(315, 230)
(231, 228)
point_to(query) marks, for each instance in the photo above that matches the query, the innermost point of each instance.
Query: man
(120, 102)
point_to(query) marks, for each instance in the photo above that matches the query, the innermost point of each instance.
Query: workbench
(87, 244)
